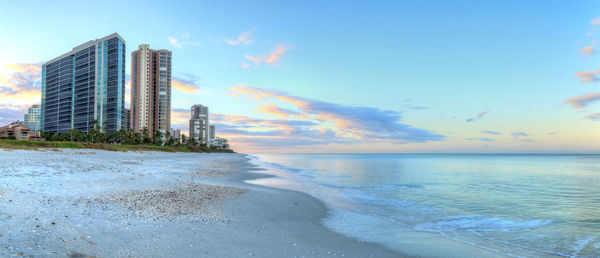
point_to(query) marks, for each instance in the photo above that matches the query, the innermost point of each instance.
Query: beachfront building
(32, 119)
(199, 126)
(17, 131)
(219, 143)
(83, 85)
(150, 90)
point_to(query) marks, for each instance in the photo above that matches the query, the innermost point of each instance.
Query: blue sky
(344, 76)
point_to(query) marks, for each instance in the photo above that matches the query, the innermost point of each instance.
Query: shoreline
(86, 203)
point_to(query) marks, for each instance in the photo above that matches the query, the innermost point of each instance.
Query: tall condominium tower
(83, 85)
(199, 129)
(32, 119)
(150, 90)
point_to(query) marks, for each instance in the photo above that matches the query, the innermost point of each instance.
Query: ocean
(453, 205)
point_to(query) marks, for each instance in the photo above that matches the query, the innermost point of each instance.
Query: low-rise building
(219, 143)
(16, 130)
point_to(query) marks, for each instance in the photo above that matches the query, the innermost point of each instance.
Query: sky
(344, 76)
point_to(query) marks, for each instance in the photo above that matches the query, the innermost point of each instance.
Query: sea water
(454, 205)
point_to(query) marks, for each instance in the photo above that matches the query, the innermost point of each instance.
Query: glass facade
(83, 85)
(32, 118)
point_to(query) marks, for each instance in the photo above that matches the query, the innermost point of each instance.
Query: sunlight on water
(515, 205)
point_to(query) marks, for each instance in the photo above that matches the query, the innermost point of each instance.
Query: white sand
(113, 204)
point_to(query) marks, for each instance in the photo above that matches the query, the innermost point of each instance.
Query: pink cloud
(587, 50)
(273, 109)
(588, 76)
(583, 100)
(272, 58)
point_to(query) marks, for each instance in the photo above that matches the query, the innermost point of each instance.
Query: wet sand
(97, 203)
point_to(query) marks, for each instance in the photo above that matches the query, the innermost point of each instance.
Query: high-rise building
(32, 119)
(150, 90)
(126, 118)
(83, 85)
(199, 126)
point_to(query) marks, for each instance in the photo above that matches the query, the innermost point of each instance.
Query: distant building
(16, 130)
(85, 84)
(32, 119)
(199, 125)
(175, 134)
(150, 90)
(220, 143)
(211, 131)
(126, 118)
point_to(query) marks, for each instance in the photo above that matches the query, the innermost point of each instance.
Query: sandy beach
(94, 203)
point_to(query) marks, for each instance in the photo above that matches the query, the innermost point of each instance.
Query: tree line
(100, 134)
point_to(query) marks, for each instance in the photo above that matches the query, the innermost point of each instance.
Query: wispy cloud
(242, 39)
(481, 139)
(477, 117)
(273, 109)
(596, 21)
(588, 76)
(352, 123)
(272, 58)
(182, 41)
(583, 100)
(519, 134)
(492, 132)
(587, 50)
(593, 117)
(187, 85)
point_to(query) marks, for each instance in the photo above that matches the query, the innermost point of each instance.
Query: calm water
(515, 205)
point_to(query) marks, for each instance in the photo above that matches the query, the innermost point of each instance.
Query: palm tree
(145, 138)
(158, 137)
(183, 139)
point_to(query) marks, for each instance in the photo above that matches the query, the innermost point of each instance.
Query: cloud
(177, 43)
(242, 39)
(273, 109)
(587, 50)
(596, 21)
(20, 83)
(583, 100)
(519, 134)
(246, 65)
(593, 117)
(272, 58)
(477, 117)
(481, 139)
(11, 113)
(187, 85)
(352, 123)
(19, 89)
(492, 132)
(174, 42)
(588, 76)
